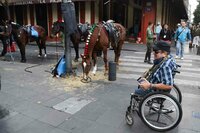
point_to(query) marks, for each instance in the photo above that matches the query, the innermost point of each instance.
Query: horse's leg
(105, 59)
(94, 57)
(45, 50)
(39, 46)
(76, 48)
(118, 51)
(43, 43)
(22, 51)
(75, 38)
(5, 44)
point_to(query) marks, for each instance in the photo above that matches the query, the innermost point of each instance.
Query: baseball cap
(183, 20)
(161, 45)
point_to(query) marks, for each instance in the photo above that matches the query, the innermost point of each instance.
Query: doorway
(41, 16)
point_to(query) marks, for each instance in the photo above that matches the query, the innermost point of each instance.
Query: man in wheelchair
(156, 107)
(160, 75)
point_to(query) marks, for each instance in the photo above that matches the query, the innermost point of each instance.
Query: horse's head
(6, 28)
(84, 28)
(56, 27)
(86, 65)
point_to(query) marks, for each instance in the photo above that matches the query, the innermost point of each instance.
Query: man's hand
(144, 84)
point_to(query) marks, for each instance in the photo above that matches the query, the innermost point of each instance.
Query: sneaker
(149, 62)
(145, 61)
(182, 58)
(176, 57)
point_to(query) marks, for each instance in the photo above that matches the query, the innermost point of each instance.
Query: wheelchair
(159, 110)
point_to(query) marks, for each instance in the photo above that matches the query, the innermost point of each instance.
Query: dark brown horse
(99, 39)
(5, 38)
(24, 34)
(75, 38)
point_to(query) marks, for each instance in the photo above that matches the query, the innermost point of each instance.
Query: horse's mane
(86, 51)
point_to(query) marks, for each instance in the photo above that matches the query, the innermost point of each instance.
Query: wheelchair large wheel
(175, 91)
(160, 111)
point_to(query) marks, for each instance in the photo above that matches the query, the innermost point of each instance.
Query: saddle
(31, 31)
(113, 32)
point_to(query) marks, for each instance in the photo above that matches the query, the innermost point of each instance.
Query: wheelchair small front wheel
(160, 111)
(129, 118)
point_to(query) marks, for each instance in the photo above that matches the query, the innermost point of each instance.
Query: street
(39, 103)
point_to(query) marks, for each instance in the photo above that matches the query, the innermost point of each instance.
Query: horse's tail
(122, 31)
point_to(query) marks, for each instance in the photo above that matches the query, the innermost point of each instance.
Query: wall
(130, 14)
(148, 15)
(159, 11)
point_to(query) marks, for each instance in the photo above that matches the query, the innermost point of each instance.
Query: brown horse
(24, 34)
(99, 39)
(75, 37)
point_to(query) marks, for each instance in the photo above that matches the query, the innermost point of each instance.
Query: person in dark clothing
(165, 34)
(149, 37)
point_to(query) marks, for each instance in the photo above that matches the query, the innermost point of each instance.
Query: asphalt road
(39, 103)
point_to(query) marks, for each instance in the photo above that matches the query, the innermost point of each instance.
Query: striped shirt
(164, 74)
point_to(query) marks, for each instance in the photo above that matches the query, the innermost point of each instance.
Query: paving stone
(75, 125)
(15, 123)
(54, 118)
(36, 127)
(72, 105)
(56, 130)
(101, 128)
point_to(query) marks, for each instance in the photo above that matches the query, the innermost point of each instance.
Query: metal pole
(68, 11)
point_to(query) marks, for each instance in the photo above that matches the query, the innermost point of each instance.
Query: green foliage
(197, 14)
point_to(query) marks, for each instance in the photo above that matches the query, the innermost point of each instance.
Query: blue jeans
(180, 48)
(142, 92)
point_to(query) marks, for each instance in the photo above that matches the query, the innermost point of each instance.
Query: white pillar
(87, 11)
(54, 12)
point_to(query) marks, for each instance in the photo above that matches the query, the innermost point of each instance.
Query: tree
(197, 14)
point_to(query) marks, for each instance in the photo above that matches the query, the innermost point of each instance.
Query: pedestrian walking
(149, 39)
(196, 35)
(165, 34)
(158, 28)
(182, 35)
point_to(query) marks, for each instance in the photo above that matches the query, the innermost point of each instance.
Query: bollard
(112, 71)
(198, 50)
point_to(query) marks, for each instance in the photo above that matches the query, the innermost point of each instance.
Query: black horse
(5, 38)
(75, 37)
(23, 34)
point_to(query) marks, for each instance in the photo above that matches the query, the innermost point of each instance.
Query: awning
(23, 2)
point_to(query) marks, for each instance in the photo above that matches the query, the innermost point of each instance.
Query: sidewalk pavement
(39, 103)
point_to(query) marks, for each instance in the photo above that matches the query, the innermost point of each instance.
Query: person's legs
(182, 50)
(178, 48)
(142, 92)
(157, 36)
(146, 55)
(149, 53)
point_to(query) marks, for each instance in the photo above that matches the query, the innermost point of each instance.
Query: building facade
(133, 14)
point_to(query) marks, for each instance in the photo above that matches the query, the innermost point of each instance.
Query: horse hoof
(39, 56)
(23, 61)
(45, 55)
(75, 60)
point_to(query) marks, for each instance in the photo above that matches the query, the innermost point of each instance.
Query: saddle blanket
(34, 33)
